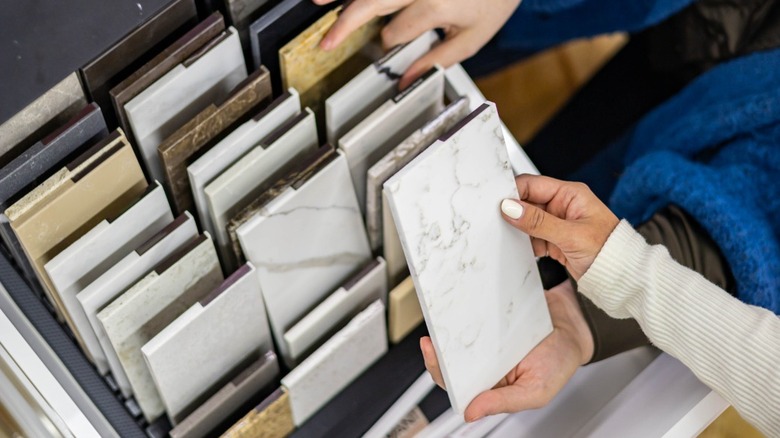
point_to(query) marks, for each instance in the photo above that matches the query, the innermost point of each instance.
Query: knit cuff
(610, 281)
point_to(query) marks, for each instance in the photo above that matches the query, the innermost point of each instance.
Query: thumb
(534, 221)
(513, 398)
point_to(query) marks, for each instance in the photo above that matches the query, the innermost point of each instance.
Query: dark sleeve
(690, 245)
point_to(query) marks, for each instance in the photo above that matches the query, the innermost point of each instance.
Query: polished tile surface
(372, 87)
(176, 97)
(390, 124)
(305, 243)
(367, 286)
(208, 341)
(255, 379)
(399, 157)
(337, 363)
(403, 313)
(225, 153)
(86, 259)
(476, 276)
(248, 177)
(152, 303)
(199, 134)
(271, 419)
(116, 280)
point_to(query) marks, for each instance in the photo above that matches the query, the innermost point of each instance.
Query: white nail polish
(511, 208)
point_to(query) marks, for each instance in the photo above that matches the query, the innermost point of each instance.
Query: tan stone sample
(404, 312)
(270, 419)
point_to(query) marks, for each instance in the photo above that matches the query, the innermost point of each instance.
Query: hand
(564, 219)
(544, 371)
(468, 25)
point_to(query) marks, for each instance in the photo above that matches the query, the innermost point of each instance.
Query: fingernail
(512, 208)
(326, 43)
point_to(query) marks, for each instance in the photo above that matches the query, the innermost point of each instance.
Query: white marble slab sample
(152, 303)
(399, 157)
(305, 243)
(86, 259)
(249, 176)
(255, 378)
(475, 275)
(372, 87)
(207, 76)
(116, 280)
(337, 363)
(212, 163)
(208, 341)
(390, 124)
(367, 286)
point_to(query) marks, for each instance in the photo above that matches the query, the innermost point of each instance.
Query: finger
(453, 50)
(431, 361)
(538, 189)
(539, 246)
(534, 221)
(355, 15)
(409, 23)
(508, 399)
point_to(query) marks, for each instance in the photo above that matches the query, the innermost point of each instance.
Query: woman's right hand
(564, 219)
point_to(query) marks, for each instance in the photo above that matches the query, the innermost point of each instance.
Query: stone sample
(270, 419)
(403, 313)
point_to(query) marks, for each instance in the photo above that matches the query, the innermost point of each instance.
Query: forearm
(732, 347)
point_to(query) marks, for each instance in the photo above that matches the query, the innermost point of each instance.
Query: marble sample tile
(372, 87)
(208, 341)
(241, 11)
(99, 183)
(269, 33)
(399, 157)
(224, 154)
(301, 256)
(100, 248)
(147, 307)
(270, 419)
(390, 124)
(475, 275)
(317, 73)
(116, 280)
(162, 63)
(337, 363)
(248, 177)
(45, 114)
(206, 129)
(404, 405)
(362, 403)
(223, 404)
(365, 287)
(36, 163)
(403, 313)
(133, 50)
(206, 76)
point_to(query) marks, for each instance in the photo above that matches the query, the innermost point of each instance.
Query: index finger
(354, 15)
(537, 189)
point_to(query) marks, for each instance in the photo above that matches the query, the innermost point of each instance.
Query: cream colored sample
(404, 312)
(272, 419)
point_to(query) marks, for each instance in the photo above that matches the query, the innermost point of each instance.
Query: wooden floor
(528, 93)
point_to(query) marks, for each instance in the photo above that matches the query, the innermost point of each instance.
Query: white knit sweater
(732, 347)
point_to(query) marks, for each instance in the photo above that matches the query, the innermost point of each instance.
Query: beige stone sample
(271, 419)
(404, 312)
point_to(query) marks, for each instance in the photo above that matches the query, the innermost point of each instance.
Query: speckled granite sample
(271, 419)
(43, 115)
(337, 363)
(199, 134)
(155, 301)
(254, 380)
(403, 313)
(161, 64)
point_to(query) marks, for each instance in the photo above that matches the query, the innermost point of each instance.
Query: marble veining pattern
(476, 276)
(148, 306)
(305, 243)
(337, 363)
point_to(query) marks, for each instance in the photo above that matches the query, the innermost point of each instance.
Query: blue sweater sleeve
(538, 24)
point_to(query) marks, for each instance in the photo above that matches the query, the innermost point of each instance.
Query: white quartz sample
(178, 96)
(305, 243)
(390, 124)
(212, 163)
(371, 87)
(150, 305)
(337, 363)
(116, 280)
(339, 307)
(86, 259)
(243, 181)
(476, 275)
(208, 341)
